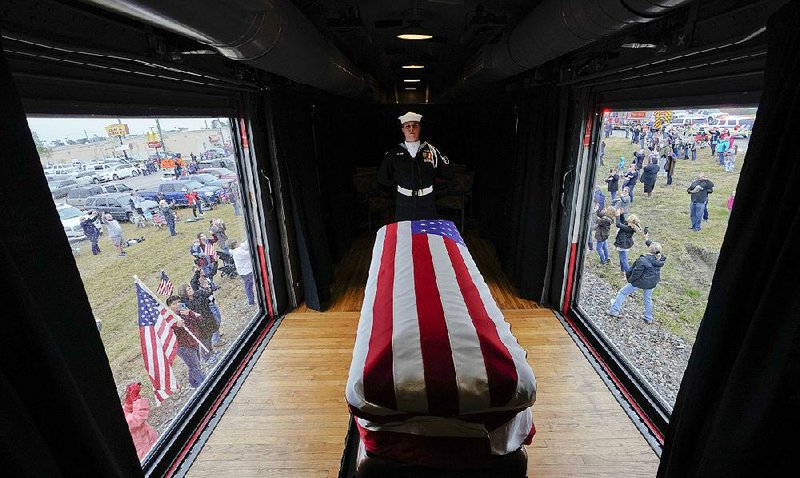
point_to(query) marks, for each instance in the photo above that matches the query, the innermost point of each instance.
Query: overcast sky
(49, 129)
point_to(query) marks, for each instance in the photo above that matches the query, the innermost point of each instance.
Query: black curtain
(525, 248)
(297, 154)
(738, 409)
(60, 411)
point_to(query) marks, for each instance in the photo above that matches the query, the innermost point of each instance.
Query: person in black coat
(630, 179)
(613, 183)
(649, 176)
(626, 228)
(414, 171)
(645, 275)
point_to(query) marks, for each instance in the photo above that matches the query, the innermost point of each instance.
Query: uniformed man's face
(411, 131)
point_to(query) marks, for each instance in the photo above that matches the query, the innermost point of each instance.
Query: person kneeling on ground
(645, 275)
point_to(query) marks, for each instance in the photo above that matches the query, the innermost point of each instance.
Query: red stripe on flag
(142, 342)
(501, 372)
(437, 355)
(378, 368)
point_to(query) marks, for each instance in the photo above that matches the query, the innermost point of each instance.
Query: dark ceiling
(366, 31)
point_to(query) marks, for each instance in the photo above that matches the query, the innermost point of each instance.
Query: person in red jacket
(136, 411)
(194, 201)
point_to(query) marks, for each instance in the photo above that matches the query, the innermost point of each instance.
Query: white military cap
(410, 116)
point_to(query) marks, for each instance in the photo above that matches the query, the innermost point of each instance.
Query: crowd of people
(657, 155)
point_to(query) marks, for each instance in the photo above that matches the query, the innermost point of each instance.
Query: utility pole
(163, 144)
(124, 152)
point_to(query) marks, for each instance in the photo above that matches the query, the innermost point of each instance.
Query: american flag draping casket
(437, 378)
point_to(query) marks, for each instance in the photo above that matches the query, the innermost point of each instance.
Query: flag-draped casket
(437, 378)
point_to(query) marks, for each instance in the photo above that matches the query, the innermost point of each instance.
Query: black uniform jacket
(400, 169)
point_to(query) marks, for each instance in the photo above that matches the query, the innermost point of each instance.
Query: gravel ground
(659, 356)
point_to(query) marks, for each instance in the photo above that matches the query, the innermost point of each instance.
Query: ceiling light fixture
(414, 36)
(411, 89)
(413, 67)
(411, 81)
(638, 45)
(414, 32)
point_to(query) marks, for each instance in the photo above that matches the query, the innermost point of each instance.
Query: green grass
(108, 281)
(681, 296)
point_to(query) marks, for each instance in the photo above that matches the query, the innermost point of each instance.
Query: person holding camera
(645, 275)
(188, 348)
(626, 228)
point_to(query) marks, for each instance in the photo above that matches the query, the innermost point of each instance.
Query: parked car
(173, 192)
(71, 221)
(109, 172)
(209, 180)
(219, 173)
(85, 178)
(227, 163)
(59, 189)
(212, 153)
(118, 205)
(77, 196)
(116, 188)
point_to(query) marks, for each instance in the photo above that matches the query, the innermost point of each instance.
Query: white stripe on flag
(473, 390)
(355, 384)
(525, 374)
(409, 374)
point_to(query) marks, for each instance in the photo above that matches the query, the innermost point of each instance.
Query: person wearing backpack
(645, 275)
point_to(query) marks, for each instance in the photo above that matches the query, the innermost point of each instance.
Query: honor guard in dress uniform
(415, 171)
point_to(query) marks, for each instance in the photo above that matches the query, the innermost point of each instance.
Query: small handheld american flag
(158, 341)
(165, 286)
(208, 249)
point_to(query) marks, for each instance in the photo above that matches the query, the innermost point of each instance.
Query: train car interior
(586, 270)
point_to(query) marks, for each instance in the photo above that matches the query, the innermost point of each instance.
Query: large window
(152, 209)
(647, 164)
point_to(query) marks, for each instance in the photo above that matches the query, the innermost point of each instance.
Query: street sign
(117, 130)
(154, 144)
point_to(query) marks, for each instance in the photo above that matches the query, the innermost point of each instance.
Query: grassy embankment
(681, 297)
(108, 280)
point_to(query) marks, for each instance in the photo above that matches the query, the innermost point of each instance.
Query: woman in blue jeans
(605, 217)
(645, 275)
(626, 228)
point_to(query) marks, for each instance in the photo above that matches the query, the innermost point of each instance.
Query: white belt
(415, 192)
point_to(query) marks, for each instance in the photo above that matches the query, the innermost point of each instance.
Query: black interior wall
(61, 415)
(321, 140)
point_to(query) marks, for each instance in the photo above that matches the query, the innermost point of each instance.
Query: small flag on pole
(158, 341)
(165, 286)
(208, 249)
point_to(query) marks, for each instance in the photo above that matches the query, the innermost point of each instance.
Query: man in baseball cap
(412, 170)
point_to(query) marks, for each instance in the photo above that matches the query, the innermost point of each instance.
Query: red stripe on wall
(437, 355)
(501, 372)
(263, 262)
(378, 368)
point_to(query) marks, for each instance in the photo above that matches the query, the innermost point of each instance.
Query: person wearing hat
(414, 170)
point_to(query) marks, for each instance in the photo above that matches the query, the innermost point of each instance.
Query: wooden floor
(290, 417)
